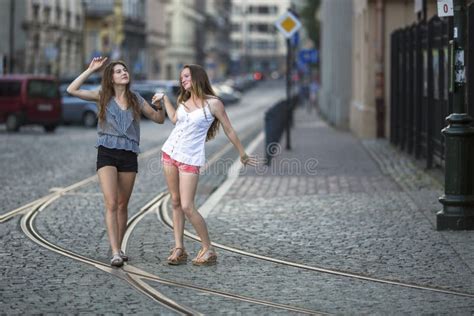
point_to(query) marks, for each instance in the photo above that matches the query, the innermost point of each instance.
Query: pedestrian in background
(197, 118)
(313, 95)
(117, 142)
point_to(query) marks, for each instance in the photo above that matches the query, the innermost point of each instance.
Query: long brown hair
(201, 88)
(107, 92)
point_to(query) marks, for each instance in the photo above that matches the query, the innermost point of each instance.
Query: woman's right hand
(96, 63)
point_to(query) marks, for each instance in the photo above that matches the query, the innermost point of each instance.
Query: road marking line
(232, 175)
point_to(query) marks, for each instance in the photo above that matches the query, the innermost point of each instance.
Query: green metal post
(458, 198)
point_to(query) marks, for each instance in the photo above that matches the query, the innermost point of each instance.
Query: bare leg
(187, 189)
(108, 179)
(126, 181)
(172, 179)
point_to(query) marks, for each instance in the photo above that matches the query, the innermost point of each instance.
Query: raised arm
(169, 107)
(219, 112)
(74, 87)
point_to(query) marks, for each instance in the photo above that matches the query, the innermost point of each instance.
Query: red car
(29, 99)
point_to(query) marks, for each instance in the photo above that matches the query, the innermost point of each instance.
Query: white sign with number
(445, 8)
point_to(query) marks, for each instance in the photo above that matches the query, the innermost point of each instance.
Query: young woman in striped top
(118, 142)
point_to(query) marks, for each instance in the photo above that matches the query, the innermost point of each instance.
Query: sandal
(180, 259)
(116, 260)
(123, 256)
(205, 258)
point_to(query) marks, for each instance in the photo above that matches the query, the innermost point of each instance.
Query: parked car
(170, 87)
(241, 82)
(29, 99)
(78, 111)
(147, 88)
(226, 93)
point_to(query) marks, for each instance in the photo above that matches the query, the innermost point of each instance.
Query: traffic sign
(308, 56)
(288, 24)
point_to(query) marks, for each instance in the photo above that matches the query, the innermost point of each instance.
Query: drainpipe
(379, 69)
(11, 39)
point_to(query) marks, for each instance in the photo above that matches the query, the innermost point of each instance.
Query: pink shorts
(182, 167)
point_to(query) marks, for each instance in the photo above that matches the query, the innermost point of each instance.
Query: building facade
(355, 55)
(12, 47)
(217, 38)
(256, 43)
(116, 28)
(336, 64)
(47, 36)
(156, 38)
(373, 23)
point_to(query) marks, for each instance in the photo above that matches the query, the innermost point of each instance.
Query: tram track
(28, 227)
(164, 218)
(61, 191)
(134, 276)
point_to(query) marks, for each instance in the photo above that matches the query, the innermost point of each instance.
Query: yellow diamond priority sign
(288, 24)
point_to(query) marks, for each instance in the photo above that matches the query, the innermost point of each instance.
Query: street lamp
(458, 198)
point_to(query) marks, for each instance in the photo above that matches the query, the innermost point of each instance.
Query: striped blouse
(120, 130)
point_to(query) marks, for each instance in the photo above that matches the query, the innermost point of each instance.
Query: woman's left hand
(157, 97)
(248, 160)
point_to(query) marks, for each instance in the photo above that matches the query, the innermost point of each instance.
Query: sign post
(288, 24)
(458, 198)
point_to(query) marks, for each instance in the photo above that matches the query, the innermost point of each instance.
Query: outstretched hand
(157, 97)
(97, 62)
(249, 160)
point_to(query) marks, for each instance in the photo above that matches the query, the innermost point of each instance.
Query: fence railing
(275, 124)
(421, 97)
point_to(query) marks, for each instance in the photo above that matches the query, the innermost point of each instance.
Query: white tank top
(186, 142)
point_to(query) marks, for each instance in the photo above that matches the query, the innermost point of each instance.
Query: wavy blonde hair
(201, 88)
(107, 92)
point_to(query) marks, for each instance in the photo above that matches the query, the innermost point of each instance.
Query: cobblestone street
(333, 204)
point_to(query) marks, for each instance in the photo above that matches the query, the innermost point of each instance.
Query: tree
(307, 14)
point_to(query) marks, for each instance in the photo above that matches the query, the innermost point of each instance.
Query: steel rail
(163, 215)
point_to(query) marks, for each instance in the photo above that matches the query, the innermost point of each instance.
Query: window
(58, 15)
(78, 21)
(68, 19)
(236, 44)
(35, 12)
(263, 10)
(261, 28)
(236, 27)
(236, 9)
(36, 41)
(261, 44)
(10, 88)
(43, 89)
(47, 14)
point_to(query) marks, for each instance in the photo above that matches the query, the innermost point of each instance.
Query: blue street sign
(308, 56)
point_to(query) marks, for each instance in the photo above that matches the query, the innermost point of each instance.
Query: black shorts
(123, 160)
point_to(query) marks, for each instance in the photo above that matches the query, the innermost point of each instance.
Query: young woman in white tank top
(197, 120)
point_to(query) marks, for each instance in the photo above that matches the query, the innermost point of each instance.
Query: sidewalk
(339, 203)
